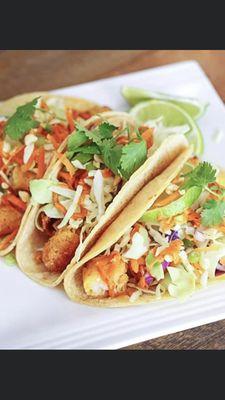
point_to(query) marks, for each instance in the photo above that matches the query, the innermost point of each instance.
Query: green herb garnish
(22, 121)
(213, 212)
(122, 160)
(200, 176)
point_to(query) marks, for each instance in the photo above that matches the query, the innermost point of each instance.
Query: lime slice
(193, 107)
(172, 116)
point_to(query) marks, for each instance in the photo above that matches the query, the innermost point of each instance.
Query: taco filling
(97, 162)
(178, 244)
(28, 140)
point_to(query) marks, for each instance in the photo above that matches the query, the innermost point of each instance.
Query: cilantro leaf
(91, 148)
(200, 176)
(76, 139)
(102, 132)
(111, 156)
(133, 156)
(22, 121)
(106, 130)
(213, 212)
(83, 158)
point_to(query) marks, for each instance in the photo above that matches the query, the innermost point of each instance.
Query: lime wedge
(193, 107)
(171, 115)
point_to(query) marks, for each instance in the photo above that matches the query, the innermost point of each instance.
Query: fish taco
(32, 127)
(161, 246)
(105, 163)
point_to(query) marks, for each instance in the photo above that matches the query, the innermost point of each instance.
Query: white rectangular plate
(35, 317)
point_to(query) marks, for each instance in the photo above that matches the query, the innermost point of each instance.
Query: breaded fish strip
(10, 219)
(20, 179)
(59, 249)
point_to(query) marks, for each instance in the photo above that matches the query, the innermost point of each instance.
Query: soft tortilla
(131, 214)
(30, 239)
(8, 107)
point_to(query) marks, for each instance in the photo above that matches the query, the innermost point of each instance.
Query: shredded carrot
(107, 173)
(134, 266)
(52, 140)
(41, 162)
(221, 228)
(193, 217)
(15, 201)
(16, 155)
(57, 204)
(60, 132)
(169, 199)
(4, 243)
(29, 163)
(148, 137)
(42, 132)
(44, 105)
(122, 140)
(75, 114)
(173, 249)
(82, 214)
(141, 260)
(69, 117)
(194, 160)
(67, 178)
(66, 162)
(85, 115)
(130, 291)
(176, 180)
(166, 223)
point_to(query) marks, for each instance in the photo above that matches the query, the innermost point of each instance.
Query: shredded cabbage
(51, 211)
(139, 246)
(158, 237)
(98, 188)
(77, 164)
(63, 191)
(210, 258)
(72, 208)
(157, 271)
(27, 152)
(183, 282)
(40, 190)
(161, 132)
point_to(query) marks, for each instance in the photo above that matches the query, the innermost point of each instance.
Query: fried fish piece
(20, 179)
(10, 219)
(105, 275)
(59, 249)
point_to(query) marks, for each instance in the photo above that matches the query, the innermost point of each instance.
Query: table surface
(34, 70)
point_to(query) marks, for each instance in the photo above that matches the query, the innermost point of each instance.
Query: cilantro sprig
(22, 121)
(213, 212)
(200, 176)
(122, 160)
(133, 156)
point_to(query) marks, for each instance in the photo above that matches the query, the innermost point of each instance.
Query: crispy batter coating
(10, 219)
(59, 249)
(20, 179)
(105, 274)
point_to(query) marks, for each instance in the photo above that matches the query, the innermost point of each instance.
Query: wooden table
(24, 71)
